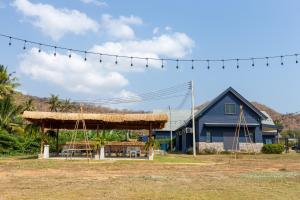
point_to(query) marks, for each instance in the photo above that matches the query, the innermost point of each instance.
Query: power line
(167, 93)
(146, 59)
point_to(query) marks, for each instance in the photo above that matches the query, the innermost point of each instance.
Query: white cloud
(92, 77)
(95, 2)
(119, 28)
(73, 74)
(168, 28)
(175, 45)
(125, 94)
(56, 22)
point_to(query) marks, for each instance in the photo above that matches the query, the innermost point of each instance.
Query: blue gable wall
(216, 114)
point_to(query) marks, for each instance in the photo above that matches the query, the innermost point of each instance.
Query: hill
(41, 104)
(289, 121)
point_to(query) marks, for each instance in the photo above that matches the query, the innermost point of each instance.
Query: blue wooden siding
(217, 134)
(163, 134)
(216, 114)
(217, 122)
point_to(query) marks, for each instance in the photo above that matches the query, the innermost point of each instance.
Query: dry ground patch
(167, 177)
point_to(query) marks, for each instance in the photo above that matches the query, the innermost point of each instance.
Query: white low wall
(219, 146)
(256, 147)
(205, 145)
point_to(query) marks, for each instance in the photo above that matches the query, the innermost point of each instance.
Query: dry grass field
(167, 177)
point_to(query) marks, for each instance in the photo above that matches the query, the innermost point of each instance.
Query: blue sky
(170, 28)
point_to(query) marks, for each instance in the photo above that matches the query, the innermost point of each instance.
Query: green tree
(54, 103)
(10, 115)
(7, 82)
(29, 105)
(66, 106)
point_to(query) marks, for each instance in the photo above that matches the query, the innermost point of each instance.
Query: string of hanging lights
(146, 59)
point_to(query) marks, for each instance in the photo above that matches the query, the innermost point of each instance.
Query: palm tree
(66, 106)
(9, 115)
(54, 103)
(28, 105)
(7, 82)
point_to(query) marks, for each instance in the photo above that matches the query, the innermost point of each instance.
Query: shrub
(272, 149)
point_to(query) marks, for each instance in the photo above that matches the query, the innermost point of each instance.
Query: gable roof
(204, 107)
(178, 118)
(237, 95)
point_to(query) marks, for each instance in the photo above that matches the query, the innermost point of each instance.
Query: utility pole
(193, 118)
(171, 132)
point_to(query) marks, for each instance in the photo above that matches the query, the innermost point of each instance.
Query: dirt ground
(167, 177)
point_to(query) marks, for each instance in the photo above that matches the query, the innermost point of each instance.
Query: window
(208, 136)
(230, 108)
(252, 136)
(269, 141)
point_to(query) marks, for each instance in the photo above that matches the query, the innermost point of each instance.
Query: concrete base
(254, 147)
(219, 146)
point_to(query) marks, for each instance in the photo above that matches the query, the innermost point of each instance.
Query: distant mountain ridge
(41, 104)
(289, 121)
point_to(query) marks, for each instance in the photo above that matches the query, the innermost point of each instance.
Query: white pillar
(46, 151)
(102, 153)
(151, 154)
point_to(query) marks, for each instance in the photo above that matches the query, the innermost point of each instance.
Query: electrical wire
(101, 54)
(167, 93)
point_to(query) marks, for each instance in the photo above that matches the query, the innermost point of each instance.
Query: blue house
(216, 122)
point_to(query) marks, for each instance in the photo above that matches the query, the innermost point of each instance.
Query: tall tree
(66, 105)
(9, 115)
(54, 103)
(7, 82)
(29, 105)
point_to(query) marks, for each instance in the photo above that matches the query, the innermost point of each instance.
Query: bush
(272, 149)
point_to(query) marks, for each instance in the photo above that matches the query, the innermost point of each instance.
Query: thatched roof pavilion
(59, 120)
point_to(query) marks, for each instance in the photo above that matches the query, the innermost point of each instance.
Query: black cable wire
(140, 58)
(162, 92)
(174, 91)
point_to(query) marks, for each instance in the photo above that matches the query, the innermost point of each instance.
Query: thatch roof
(54, 120)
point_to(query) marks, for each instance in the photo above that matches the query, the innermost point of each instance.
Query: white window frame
(229, 113)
